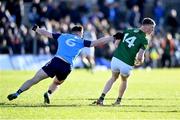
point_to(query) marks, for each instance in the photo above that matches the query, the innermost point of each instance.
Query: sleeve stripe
(56, 35)
(87, 43)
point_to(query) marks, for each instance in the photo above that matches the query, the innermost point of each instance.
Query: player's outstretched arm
(42, 31)
(118, 36)
(102, 40)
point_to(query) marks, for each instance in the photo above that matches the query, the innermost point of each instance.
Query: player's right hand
(35, 27)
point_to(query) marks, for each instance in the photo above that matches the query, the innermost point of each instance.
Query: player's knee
(124, 77)
(115, 77)
(57, 82)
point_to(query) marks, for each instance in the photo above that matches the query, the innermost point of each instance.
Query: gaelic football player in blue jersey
(59, 67)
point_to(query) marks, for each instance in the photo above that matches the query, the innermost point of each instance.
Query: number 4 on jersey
(129, 40)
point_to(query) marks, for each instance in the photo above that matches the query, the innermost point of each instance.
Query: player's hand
(35, 27)
(118, 36)
(137, 63)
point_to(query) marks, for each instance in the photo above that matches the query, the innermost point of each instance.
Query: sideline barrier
(23, 62)
(35, 62)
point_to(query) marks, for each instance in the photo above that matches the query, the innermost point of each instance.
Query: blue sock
(19, 92)
(16, 94)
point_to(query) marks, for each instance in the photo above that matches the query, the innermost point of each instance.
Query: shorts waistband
(62, 59)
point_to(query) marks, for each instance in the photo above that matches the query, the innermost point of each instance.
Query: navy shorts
(57, 67)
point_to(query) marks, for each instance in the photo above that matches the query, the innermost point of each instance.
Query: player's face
(150, 29)
(80, 34)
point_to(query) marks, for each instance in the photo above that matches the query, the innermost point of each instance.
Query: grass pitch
(150, 95)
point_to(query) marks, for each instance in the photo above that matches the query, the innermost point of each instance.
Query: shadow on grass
(35, 105)
(8, 105)
(123, 99)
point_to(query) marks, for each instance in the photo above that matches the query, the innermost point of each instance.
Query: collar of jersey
(142, 32)
(76, 35)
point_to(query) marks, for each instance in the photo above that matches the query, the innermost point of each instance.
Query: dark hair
(77, 28)
(148, 21)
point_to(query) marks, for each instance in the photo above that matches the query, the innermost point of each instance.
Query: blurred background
(23, 49)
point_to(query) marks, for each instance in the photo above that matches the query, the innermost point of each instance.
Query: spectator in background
(158, 12)
(16, 10)
(36, 4)
(33, 16)
(140, 4)
(16, 42)
(75, 14)
(167, 46)
(113, 12)
(102, 4)
(27, 36)
(49, 7)
(87, 54)
(172, 22)
(3, 16)
(3, 42)
(154, 52)
(63, 8)
(19, 12)
(177, 50)
(134, 16)
(130, 3)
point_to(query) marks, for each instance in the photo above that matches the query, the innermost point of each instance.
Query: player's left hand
(35, 27)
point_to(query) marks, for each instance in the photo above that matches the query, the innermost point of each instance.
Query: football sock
(102, 96)
(19, 92)
(118, 99)
(49, 92)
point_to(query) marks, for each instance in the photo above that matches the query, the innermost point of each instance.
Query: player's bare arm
(140, 57)
(102, 40)
(118, 36)
(42, 31)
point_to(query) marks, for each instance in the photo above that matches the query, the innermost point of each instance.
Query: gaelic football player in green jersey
(130, 49)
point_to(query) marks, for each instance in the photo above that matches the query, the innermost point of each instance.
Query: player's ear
(82, 32)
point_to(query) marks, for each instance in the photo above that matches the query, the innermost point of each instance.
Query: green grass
(151, 94)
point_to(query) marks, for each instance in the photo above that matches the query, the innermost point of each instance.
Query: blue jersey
(69, 46)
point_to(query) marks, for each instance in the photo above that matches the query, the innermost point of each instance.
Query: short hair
(148, 21)
(77, 28)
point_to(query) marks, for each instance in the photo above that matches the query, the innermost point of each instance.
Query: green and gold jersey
(133, 41)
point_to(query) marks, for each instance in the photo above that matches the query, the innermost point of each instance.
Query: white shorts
(121, 67)
(88, 51)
